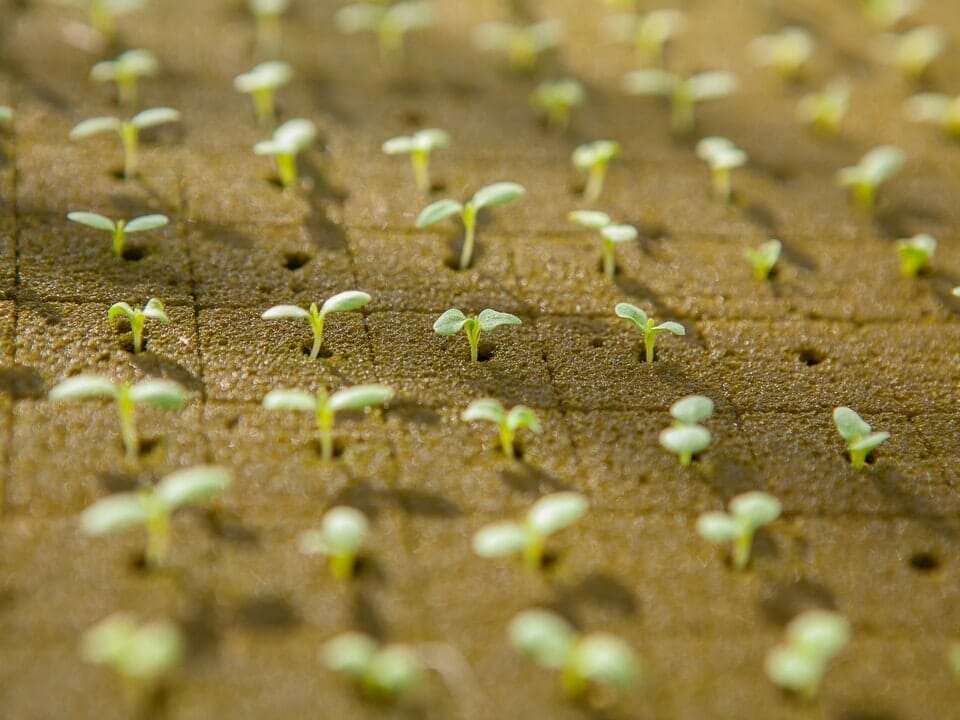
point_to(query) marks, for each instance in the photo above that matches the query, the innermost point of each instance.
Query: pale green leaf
(344, 529)
(265, 76)
(193, 485)
(719, 528)
(649, 82)
(450, 323)
(692, 409)
(155, 116)
(850, 425)
(593, 219)
(756, 508)
(349, 653)
(631, 312)
(395, 671)
(359, 17)
(398, 145)
(544, 636)
(818, 633)
(278, 312)
(500, 540)
(497, 194)
(164, 394)
(155, 649)
(618, 234)
(146, 222)
(360, 396)
(671, 327)
(685, 440)
(712, 85)
(870, 442)
(120, 308)
(94, 126)
(93, 220)
(82, 387)
(555, 512)
(520, 416)
(113, 514)
(605, 658)
(490, 319)
(290, 400)
(154, 309)
(484, 409)
(345, 302)
(435, 212)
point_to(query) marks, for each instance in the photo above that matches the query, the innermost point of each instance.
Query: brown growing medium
(837, 325)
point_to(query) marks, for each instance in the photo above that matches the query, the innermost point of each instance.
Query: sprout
(556, 99)
(453, 321)
(341, 302)
(764, 258)
(691, 410)
(496, 194)
(887, 13)
(152, 507)
(418, 146)
(267, 14)
(875, 168)
(686, 437)
(121, 228)
(163, 394)
(325, 406)
(261, 83)
(916, 253)
(103, 13)
(546, 516)
(288, 141)
(912, 52)
(748, 512)
(935, 108)
(341, 534)
(390, 22)
(860, 440)
(6, 114)
(520, 416)
(684, 94)
(389, 673)
(649, 33)
(611, 234)
(813, 638)
(646, 327)
(593, 158)
(722, 156)
(522, 44)
(583, 660)
(129, 131)
(785, 53)
(129, 67)
(825, 110)
(153, 309)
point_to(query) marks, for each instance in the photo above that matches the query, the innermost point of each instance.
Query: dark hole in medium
(232, 422)
(484, 353)
(127, 345)
(296, 260)
(810, 357)
(452, 262)
(596, 342)
(307, 347)
(148, 445)
(577, 187)
(132, 253)
(139, 561)
(924, 561)
(412, 118)
(438, 186)
(338, 447)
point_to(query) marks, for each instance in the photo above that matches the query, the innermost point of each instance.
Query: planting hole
(296, 260)
(596, 342)
(810, 357)
(133, 253)
(484, 353)
(924, 562)
(148, 445)
(307, 347)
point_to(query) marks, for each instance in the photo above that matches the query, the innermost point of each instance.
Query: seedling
(691, 410)
(6, 114)
(916, 253)
(684, 94)
(418, 146)
(121, 228)
(887, 13)
(686, 437)
(748, 513)
(129, 131)
(593, 159)
(261, 84)
(340, 536)
(583, 660)
(860, 439)
(546, 516)
(522, 44)
(103, 13)
(519, 417)
(874, 169)
(764, 258)
(391, 23)
(937, 109)
(646, 327)
(913, 52)
(825, 110)
(722, 156)
(341, 302)
(786, 52)
(556, 99)
(389, 673)
(125, 71)
(267, 14)
(650, 34)
(453, 321)
(153, 309)
(496, 194)
(152, 507)
(325, 406)
(611, 234)
(288, 141)
(813, 638)
(163, 394)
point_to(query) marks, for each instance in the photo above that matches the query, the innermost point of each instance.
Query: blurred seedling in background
(342, 532)
(121, 228)
(687, 437)
(825, 110)
(747, 514)
(649, 34)
(266, 15)
(288, 141)
(418, 146)
(522, 44)
(786, 52)
(936, 109)
(914, 51)
(152, 310)
(722, 156)
(390, 23)
(593, 159)
(125, 71)
(6, 114)
(859, 436)
(453, 321)
(611, 234)
(813, 638)
(103, 14)
(887, 13)
(496, 194)
(519, 417)
(153, 507)
(916, 254)
(764, 258)
(645, 325)
(261, 84)
(874, 169)
(684, 94)
(583, 661)
(129, 132)
(341, 302)
(325, 406)
(163, 394)
(556, 100)
(388, 673)
(548, 515)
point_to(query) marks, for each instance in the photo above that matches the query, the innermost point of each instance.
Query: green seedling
(546, 516)
(152, 507)
(825, 110)
(582, 660)
(453, 321)
(646, 327)
(6, 114)
(266, 14)
(522, 44)
(325, 406)
(163, 394)
(937, 109)
(288, 141)
(786, 53)
(913, 52)
(611, 234)
(748, 513)
(764, 258)
(874, 169)
(153, 310)
(340, 536)
(519, 417)
(916, 254)
(341, 302)
(261, 85)
(390, 23)
(556, 100)
(956, 292)
(684, 94)
(125, 71)
(103, 14)
(691, 410)
(140, 654)
(121, 228)
(888, 13)
(418, 146)
(496, 194)
(593, 159)
(129, 131)
(813, 638)
(860, 439)
(687, 437)
(389, 672)
(650, 34)
(722, 156)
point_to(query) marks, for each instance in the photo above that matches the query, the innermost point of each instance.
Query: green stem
(574, 684)
(683, 120)
(506, 441)
(469, 215)
(139, 694)
(325, 428)
(865, 194)
(127, 90)
(287, 167)
(721, 184)
(473, 337)
(595, 182)
(649, 340)
(390, 46)
(268, 34)
(263, 105)
(609, 260)
(119, 235)
(533, 554)
(741, 551)
(136, 327)
(101, 19)
(558, 117)
(129, 135)
(342, 566)
(685, 459)
(128, 428)
(858, 459)
(158, 539)
(421, 171)
(316, 321)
